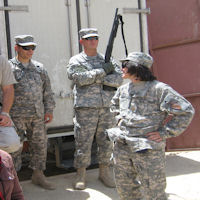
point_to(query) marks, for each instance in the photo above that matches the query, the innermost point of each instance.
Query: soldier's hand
(108, 67)
(155, 136)
(5, 120)
(48, 118)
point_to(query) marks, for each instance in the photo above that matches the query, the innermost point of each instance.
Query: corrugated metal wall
(174, 35)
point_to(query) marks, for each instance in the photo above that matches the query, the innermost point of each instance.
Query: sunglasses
(92, 38)
(27, 48)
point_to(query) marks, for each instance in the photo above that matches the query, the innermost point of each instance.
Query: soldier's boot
(80, 179)
(38, 178)
(105, 176)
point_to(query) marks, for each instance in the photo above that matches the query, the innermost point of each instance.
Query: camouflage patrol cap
(139, 58)
(88, 32)
(25, 40)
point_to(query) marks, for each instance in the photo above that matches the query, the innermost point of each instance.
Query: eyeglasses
(27, 48)
(92, 38)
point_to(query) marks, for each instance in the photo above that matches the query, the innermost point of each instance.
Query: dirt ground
(183, 180)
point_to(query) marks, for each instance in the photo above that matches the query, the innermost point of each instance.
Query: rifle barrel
(112, 37)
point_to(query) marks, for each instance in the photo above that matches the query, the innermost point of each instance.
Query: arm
(48, 99)
(180, 110)
(115, 78)
(182, 113)
(7, 90)
(8, 97)
(81, 75)
(114, 108)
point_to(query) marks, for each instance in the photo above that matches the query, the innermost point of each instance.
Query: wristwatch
(5, 113)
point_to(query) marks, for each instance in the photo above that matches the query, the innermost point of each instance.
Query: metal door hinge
(14, 8)
(68, 2)
(87, 3)
(64, 94)
(136, 10)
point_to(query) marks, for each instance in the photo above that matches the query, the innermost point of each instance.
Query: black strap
(122, 31)
(109, 88)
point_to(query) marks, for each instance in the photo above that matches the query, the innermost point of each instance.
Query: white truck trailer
(55, 25)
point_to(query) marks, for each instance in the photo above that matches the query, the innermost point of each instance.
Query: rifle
(113, 35)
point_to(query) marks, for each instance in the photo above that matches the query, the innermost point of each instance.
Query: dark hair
(141, 71)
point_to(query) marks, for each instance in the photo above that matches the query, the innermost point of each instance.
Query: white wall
(3, 41)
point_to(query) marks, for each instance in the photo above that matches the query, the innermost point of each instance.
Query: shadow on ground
(51, 170)
(177, 165)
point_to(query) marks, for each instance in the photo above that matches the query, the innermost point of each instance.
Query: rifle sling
(109, 88)
(122, 31)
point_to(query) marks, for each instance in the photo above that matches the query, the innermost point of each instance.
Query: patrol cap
(88, 32)
(25, 40)
(139, 58)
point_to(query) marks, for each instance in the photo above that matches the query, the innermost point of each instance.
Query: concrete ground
(183, 181)
(183, 175)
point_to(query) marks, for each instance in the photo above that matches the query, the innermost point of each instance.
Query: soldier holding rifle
(95, 83)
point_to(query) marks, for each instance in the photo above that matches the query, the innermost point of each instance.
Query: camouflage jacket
(91, 84)
(33, 94)
(143, 107)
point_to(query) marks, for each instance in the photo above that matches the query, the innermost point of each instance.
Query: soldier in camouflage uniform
(141, 107)
(33, 105)
(95, 83)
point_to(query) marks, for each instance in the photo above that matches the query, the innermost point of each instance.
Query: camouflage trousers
(34, 130)
(90, 123)
(139, 175)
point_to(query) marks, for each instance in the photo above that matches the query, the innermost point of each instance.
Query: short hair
(141, 71)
